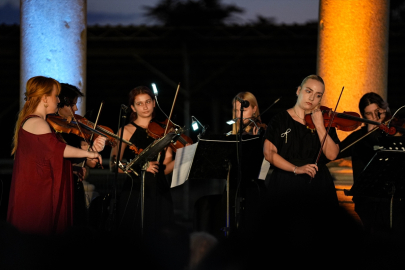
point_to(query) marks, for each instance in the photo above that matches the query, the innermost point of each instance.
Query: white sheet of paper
(182, 164)
(264, 169)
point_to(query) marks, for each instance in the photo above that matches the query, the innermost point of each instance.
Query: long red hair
(36, 88)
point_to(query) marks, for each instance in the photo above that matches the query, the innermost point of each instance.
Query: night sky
(127, 12)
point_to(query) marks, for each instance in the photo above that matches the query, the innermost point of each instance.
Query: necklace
(297, 114)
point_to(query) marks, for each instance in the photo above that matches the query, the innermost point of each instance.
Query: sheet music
(264, 169)
(182, 164)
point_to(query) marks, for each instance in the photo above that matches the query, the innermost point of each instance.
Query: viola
(346, 121)
(157, 130)
(83, 128)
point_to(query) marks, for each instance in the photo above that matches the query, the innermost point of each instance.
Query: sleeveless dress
(158, 205)
(41, 195)
(299, 145)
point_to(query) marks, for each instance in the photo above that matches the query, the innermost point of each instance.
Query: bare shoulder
(37, 126)
(128, 131)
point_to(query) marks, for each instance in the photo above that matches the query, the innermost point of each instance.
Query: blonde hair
(253, 102)
(36, 88)
(312, 77)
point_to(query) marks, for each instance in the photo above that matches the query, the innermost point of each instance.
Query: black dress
(299, 145)
(158, 203)
(374, 212)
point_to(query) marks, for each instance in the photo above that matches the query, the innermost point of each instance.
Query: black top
(299, 145)
(362, 151)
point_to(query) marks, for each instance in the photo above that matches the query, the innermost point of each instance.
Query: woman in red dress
(41, 196)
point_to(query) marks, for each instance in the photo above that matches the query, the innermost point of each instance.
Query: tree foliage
(192, 12)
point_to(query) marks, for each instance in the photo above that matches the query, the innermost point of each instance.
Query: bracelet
(294, 170)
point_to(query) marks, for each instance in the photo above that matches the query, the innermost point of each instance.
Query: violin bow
(95, 123)
(170, 115)
(327, 131)
(77, 123)
(171, 111)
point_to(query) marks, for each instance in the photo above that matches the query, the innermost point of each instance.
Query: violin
(256, 122)
(83, 128)
(346, 121)
(157, 130)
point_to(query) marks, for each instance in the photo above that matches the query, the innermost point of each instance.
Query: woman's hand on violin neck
(99, 144)
(309, 169)
(153, 167)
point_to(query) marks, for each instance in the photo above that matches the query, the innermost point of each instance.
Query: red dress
(41, 195)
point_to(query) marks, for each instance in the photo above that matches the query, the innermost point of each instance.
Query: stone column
(53, 43)
(353, 51)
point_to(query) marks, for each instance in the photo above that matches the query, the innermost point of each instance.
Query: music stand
(141, 162)
(216, 155)
(383, 177)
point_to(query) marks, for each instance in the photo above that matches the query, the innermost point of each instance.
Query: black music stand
(216, 155)
(383, 177)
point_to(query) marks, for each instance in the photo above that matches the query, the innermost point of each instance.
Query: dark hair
(132, 95)
(70, 92)
(371, 98)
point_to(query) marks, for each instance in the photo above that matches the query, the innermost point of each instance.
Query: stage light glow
(155, 91)
(53, 43)
(352, 51)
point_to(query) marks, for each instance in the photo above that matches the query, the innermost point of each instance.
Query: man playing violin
(66, 109)
(297, 185)
(158, 200)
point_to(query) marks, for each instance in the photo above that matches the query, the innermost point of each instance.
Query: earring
(46, 105)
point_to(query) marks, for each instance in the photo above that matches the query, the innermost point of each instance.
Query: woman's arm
(73, 152)
(330, 148)
(169, 161)
(271, 155)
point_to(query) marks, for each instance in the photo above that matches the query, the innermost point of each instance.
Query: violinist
(41, 199)
(371, 107)
(68, 99)
(158, 200)
(373, 212)
(252, 122)
(298, 185)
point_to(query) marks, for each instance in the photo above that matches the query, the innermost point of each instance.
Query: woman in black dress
(374, 212)
(297, 185)
(158, 201)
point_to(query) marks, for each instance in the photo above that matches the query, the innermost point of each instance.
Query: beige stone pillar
(53, 42)
(352, 51)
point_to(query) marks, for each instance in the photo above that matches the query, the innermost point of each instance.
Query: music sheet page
(182, 164)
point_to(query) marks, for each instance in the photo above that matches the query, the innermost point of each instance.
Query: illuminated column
(53, 42)
(353, 50)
